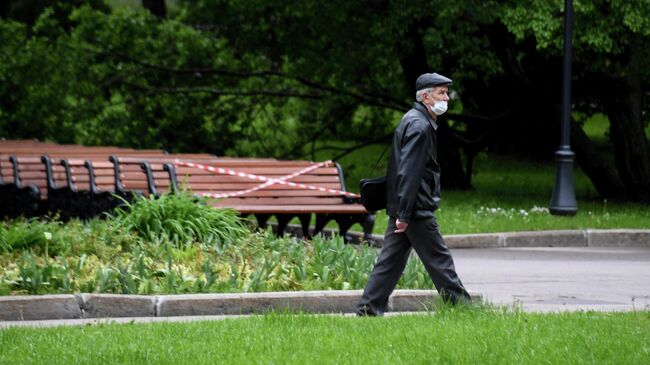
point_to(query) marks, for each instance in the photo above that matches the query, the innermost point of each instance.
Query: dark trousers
(423, 236)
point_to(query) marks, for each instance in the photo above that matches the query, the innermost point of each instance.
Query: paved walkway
(555, 279)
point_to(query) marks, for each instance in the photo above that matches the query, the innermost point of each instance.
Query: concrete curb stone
(27, 307)
(49, 307)
(559, 238)
(114, 305)
(483, 240)
(327, 301)
(618, 237)
(249, 303)
(546, 239)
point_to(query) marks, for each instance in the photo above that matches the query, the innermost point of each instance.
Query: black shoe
(365, 311)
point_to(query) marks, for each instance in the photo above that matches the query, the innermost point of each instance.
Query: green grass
(510, 193)
(450, 336)
(597, 128)
(513, 195)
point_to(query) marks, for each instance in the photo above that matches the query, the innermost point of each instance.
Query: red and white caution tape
(262, 186)
(267, 181)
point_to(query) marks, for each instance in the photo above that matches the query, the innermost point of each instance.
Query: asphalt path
(557, 279)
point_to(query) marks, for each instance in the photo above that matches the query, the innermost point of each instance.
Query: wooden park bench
(281, 200)
(34, 179)
(83, 182)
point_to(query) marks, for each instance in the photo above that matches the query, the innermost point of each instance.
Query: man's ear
(427, 95)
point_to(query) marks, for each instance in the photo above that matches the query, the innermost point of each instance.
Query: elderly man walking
(412, 196)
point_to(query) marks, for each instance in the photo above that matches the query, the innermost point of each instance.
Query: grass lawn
(450, 336)
(510, 193)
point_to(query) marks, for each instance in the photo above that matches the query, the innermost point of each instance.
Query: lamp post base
(563, 201)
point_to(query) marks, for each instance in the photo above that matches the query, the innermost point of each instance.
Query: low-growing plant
(256, 262)
(181, 220)
(33, 234)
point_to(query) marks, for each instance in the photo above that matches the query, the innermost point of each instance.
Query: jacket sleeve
(416, 146)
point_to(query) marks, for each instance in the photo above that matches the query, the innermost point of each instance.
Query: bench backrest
(250, 195)
(154, 172)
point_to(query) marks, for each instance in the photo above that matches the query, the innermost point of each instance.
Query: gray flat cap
(430, 80)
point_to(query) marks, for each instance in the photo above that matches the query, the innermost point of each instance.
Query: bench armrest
(119, 188)
(49, 172)
(68, 175)
(173, 179)
(17, 180)
(91, 177)
(146, 167)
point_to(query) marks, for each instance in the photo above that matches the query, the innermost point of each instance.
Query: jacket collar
(423, 109)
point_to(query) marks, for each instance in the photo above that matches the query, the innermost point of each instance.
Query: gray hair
(418, 94)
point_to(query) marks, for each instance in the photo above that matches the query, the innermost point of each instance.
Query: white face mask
(439, 108)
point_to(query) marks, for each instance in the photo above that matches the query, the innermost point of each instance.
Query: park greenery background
(314, 80)
(317, 81)
(321, 80)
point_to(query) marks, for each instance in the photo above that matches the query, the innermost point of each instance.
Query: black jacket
(413, 176)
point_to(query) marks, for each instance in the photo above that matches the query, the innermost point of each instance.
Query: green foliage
(269, 78)
(137, 79)
(180, 220)
(46, 237)
(600, 26)
(146, 262)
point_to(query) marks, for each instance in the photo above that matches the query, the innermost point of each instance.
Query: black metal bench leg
(28, 202)
(321, 222)
(305, 219)
(262, 219)
(345, 222)
(283, 221)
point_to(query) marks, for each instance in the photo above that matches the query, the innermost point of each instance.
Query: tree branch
(219, 92)
(379, 100)
(359, 146)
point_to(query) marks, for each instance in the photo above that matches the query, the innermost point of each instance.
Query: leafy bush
(179, 219)
(42, 236)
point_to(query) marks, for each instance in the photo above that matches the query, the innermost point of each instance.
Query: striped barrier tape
(267, 181)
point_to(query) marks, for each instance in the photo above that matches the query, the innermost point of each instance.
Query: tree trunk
(599, 171)
(449, 157)
(623, 104)
(532, 86)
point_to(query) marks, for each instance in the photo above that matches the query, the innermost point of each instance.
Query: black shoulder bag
(373, 190)
(373, 193)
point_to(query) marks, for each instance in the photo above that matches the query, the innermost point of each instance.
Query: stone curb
(37, 307)
(25, 308)
(115, 305)
(560, 238)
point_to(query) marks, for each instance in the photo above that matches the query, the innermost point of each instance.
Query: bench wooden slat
(306, 179)
(287, 200)
(297, 209)
(226, 187)
(264, 171)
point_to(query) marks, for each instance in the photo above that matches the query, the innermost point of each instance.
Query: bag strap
(379, 159)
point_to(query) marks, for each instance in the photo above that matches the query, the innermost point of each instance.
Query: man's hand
(401, 226)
